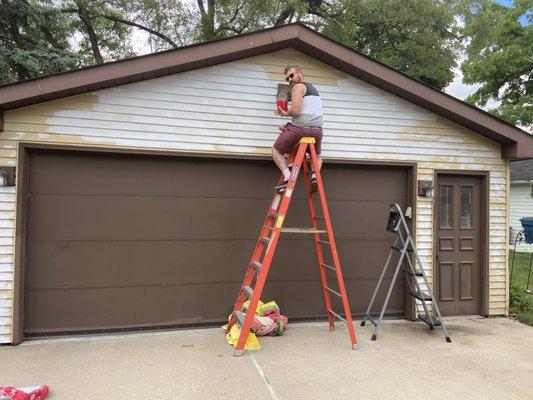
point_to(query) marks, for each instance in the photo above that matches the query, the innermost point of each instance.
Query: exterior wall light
(426, 189)
(7, 176)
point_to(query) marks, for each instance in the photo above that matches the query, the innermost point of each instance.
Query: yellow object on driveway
(251, 341)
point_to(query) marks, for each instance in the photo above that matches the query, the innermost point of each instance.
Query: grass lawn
(521, 304)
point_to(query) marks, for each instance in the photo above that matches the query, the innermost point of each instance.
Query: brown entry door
(459, 206)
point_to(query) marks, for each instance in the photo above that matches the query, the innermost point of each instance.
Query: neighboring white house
(521, 197)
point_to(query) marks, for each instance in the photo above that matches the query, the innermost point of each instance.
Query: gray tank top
(311, 114)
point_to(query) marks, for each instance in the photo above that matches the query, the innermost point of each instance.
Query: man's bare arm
(298, 92)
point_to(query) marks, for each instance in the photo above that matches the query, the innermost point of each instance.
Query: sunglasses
(289, 77)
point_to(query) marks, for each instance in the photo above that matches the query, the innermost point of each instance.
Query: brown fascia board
(135, 69)
(515, 142)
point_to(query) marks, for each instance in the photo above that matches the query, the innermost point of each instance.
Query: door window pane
(466, 207)
(445, 206)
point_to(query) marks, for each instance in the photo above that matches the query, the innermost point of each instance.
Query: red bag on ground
(31, 393)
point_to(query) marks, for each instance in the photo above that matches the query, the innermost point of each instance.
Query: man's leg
(284, 144)
(280, 161)
(319, 158)
(318, 147)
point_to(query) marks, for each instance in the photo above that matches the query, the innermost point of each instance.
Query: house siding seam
(228, 109)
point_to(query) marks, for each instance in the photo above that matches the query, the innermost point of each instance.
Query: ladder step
(240, 317)
(338, 316)
(416, 273)
(333, 291)
(421, 296)
(329, 266)
(425, 318)
(264, 239)
(318, 217)
(248, 291)
(302, 230)
(257, 265)
(398, 248)
(324, 241)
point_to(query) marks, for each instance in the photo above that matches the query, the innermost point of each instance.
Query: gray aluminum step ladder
(416, 277)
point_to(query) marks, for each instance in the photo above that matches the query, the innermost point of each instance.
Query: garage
(134, 191)
(124, 241)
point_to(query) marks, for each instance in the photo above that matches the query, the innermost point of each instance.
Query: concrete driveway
(488, 359)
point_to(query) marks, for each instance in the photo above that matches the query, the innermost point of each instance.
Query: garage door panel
(123, 241)
(109, 174)
(365, 183)
(302, 299)
(364, 259)
(56, 217)
(78, 264)
(144, 218)
(127, 307)
(367, 224)
(69, 264)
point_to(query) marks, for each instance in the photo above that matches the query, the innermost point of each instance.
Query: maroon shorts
(291, 135)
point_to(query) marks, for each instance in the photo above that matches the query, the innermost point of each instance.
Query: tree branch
(287, 13)
(136, 25)
(93, 39)
(226, 26)
(201, 6)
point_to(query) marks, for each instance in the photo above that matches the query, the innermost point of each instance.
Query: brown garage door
(121, 241)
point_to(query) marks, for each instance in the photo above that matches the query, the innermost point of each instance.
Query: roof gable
(515, 142)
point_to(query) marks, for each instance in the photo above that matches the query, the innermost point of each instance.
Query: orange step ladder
(265, 248)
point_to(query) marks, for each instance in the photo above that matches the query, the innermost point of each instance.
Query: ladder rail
(424, 276)
(269, 254)
(318, 248)
(432, 295)
(258, 250)
(419, 261)
(389, 292)
(408, 241)
(333, 246)
(380, 280)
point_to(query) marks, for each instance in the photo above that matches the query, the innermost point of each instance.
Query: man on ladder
(306, 112)
(296, 140)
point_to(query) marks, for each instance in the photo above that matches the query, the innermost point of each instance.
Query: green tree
(101, 29)
(419, 37)
(500, 58)
(396, 32)
(33, 41)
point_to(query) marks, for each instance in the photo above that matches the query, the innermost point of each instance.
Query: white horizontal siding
(229, 108)
(7, 234)
(521, 206)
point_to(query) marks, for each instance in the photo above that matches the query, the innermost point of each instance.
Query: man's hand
(282, 127)
(282, 113)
